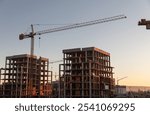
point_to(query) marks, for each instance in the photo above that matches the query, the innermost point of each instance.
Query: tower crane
(118, 82)
(120, 79)
(144, 22)
(77, 25)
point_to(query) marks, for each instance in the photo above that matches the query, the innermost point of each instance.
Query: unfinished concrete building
(86, 73)
(2, 70)
(26, 76)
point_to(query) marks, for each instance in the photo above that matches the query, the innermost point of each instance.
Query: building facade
(26, 76)
(86, 73)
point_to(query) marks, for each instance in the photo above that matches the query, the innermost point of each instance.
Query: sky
(127, 43)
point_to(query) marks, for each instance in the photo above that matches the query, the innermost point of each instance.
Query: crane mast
(77, 25)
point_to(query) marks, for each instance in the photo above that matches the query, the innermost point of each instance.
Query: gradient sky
(128, 43)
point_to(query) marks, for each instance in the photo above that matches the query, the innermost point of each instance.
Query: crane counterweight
(21, 36)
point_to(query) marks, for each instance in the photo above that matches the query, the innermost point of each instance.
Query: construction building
(55, 87)
(1, 80)
(26, 76)
(86, 73)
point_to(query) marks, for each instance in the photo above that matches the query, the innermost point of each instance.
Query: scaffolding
(86, 73)
(26, 76)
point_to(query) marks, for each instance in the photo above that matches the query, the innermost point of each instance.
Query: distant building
(87, 73)
(138, 88)
(138, 91)
(26, 76)
(120, 90)
(132, 91)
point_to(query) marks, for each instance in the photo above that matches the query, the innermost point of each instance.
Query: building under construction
(1, 81)
(86, 73)
(26, 76)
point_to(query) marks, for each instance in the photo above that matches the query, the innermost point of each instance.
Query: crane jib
(77, 25)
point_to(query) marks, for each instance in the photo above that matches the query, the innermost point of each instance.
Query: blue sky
(128, 43)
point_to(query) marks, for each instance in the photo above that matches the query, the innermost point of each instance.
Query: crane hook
(39, 41)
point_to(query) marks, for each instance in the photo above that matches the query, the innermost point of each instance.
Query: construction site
(84, 73)
(26, 76)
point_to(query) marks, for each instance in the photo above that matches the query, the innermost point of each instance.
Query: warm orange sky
(128, 44)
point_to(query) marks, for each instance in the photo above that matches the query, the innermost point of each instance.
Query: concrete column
(64, 77)
(82, 79)
(90, 82)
